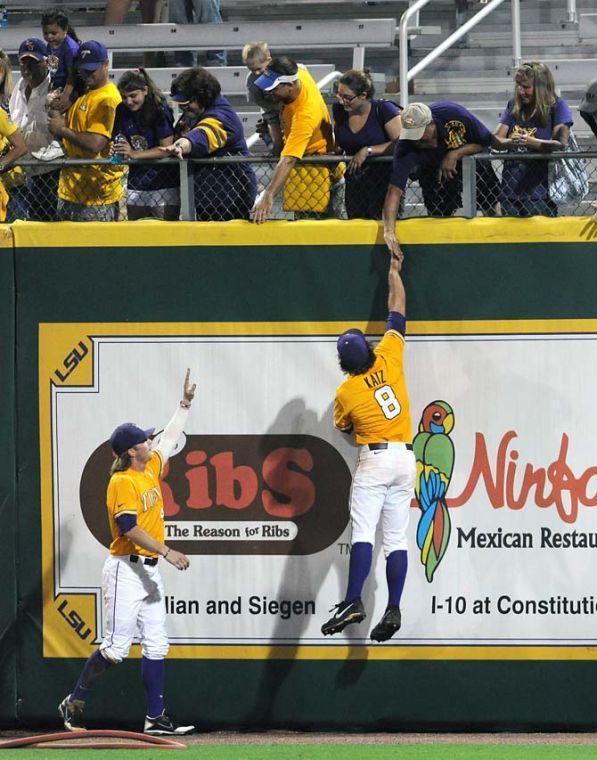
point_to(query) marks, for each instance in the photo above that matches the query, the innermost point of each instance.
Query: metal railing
(224, 188)
(406, 75)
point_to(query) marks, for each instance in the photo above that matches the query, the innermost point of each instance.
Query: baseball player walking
(373, 403)
(131, 583)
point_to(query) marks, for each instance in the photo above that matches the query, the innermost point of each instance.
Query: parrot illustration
(434, 452)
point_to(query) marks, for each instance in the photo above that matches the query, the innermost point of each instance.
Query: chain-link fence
(224, 188)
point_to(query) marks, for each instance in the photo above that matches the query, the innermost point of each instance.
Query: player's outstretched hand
(189, 388)
(178, 559)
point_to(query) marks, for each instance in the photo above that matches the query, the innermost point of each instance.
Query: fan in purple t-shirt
(535, 120)
(142, 124)
(433, 141)
(63, 46)
(364, 127)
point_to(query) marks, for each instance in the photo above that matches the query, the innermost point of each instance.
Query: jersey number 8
(389, 404)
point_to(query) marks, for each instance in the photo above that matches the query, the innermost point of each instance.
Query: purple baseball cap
(128, 435)
(91, 56)
(353, 348)
(33, 48)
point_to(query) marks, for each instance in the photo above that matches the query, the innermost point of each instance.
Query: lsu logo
(434, 452)
(456, 134)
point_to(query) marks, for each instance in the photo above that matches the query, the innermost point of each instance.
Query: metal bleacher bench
(290, 35)
(231, 78)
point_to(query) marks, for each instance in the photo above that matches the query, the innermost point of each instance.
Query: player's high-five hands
(396, 260)
(178, 559)
(188, 392)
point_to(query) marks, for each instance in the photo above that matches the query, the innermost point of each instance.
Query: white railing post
(358, 57)
(572, 15)
(187, 192)
(516, 43)
(469, 187)
(413, 10)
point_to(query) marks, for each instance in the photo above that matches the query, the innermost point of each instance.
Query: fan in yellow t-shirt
(91, 192)
(12, 146)
(307, 130)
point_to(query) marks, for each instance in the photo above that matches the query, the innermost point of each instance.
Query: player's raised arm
(174, 428)
(396, 294)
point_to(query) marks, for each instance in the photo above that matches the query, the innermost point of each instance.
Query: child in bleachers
(144, 122)
(63, 45)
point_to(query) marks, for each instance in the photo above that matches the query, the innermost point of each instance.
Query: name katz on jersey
(375, 379)
(473, 538)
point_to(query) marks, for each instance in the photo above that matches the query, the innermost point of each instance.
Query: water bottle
(117, 158)
(3, 17)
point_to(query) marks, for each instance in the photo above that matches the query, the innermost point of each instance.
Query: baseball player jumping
(131, 583)
(373, 402)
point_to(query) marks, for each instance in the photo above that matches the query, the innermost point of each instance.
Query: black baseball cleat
(346, 613)
(72, 714)
(388, 625)
(164, 725)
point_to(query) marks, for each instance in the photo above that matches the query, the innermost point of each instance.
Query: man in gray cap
(588, 106)
(434, 139)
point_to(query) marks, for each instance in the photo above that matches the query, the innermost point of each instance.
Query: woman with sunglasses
(364, 127)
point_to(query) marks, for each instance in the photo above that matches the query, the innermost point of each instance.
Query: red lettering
(236, 487)
(482, 468)
(171, 508)
(297, 490)
(566, 494)
(198, 481)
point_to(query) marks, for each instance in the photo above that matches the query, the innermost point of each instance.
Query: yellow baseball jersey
(92, 185)
(137, 493)
(375, 404)
(306, 122)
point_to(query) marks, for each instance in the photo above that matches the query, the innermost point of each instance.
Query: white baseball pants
(383, 486)
(134, 606)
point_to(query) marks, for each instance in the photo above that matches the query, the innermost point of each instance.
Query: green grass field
(323, 752)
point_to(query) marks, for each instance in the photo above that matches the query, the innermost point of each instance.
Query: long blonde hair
(539, 76)
(6, 85)
(120, 463)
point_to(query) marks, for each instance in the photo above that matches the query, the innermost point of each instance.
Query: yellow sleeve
(156, 463)
(100, 117)
(391, 346)
(341, 419)
(304, 124)
(7, 128)
(122, 497)
(215, 133)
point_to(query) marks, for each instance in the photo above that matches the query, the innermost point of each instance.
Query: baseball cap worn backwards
(353, 348)
(91, 56)
(33, 48)
(272, 79)
(415, 118)
(128, 435)
(589, 102)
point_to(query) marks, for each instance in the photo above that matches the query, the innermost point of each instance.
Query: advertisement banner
(502, 534)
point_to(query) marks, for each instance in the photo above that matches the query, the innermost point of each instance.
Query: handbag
(568, 181)
(307, 188)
